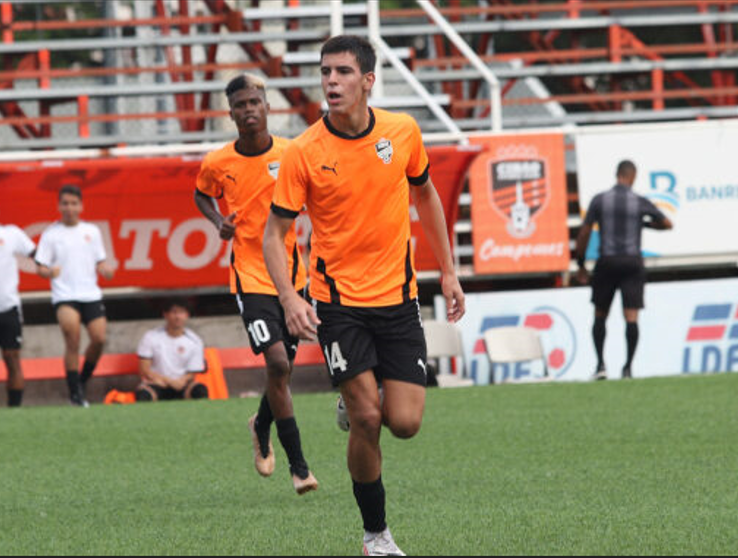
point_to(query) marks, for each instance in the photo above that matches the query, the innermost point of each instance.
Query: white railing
(494, 83)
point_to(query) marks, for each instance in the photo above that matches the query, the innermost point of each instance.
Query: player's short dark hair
(70, 189)
(626, 168)
(358, 46)
(245, 81)
(179, 302)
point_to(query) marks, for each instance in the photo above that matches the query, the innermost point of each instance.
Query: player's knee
(199, 391)
(405, 428)
(367, 420)
(279, 370)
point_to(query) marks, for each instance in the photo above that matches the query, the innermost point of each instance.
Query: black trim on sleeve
(284, 213)
(420, 180)
(209, 196)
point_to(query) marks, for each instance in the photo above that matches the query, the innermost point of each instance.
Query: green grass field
(643, 467)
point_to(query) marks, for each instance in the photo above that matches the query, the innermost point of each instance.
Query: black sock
(73, 382)
(263, 425)
(264, 417)
(87, 370)
(599, 332)
(15, 397)
(289, 435)
(632, 334)
(371, 499)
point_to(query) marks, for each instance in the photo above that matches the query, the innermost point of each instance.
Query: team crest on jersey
(274, 169)
(385, 150)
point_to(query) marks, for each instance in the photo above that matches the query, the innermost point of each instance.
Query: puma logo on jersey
(331, 169)
(229, 177)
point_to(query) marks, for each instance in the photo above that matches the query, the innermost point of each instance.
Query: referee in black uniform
(621, 215)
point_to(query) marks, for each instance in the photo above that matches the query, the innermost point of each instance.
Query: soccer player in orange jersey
(244, 173)
(355, 171)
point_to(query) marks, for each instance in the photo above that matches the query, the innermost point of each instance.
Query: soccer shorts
(197, 391)
(389, 341)
(263, 317)
(88, 311)
(11, 330)
(626, 274)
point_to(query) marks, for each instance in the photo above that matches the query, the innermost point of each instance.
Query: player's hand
(228, 227)
(55, 272)
(583, 276)
(301, 319)
(455, 299)
(106, 271)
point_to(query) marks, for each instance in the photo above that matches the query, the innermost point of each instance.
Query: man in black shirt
(621, 215)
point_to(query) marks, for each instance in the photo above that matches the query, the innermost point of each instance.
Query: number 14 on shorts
(334, 358)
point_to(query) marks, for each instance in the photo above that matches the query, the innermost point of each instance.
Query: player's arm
(208, 206)
(585, 233)
(433, 220)
(653, 218)
(301, 319)
(44, 258)
(148, 375)
(105, 270)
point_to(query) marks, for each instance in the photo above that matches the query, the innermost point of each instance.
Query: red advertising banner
(153, 233)
(519, 209)
(448, 170)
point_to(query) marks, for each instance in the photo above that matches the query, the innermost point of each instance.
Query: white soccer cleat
(342, 419)
(381, 544)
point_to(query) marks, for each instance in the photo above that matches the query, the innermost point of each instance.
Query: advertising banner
(154, 235)
(690, 172)
(448, 170)
(697, 336)
(519, 210)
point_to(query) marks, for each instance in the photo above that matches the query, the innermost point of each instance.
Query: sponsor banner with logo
(690, 172)
(519, 214)
(697, 336)
(154, 235)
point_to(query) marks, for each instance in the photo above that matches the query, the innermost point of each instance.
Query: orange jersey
(247, 184)
(357, 195)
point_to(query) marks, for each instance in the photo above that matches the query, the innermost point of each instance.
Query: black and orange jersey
(356, 190)
(247, 184)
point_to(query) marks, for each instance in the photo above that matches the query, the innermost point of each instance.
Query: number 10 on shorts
(334, 358)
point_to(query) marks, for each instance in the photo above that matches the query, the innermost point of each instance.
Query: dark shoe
(627, 374)
(601, 374)
(77, 398)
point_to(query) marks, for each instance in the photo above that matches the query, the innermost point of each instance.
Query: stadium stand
(145, 79)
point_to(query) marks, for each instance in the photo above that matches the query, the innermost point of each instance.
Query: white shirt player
(76, 250)
(173, 357)
(13, 242)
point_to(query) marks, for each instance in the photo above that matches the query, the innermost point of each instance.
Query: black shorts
(627, 274)
(11, 330)
(89, 311)
(390, 341)
(169, 394)
(263, 317)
